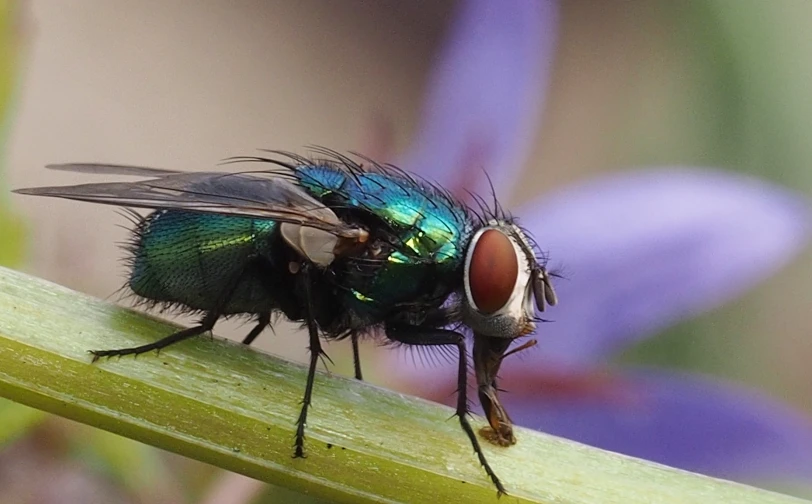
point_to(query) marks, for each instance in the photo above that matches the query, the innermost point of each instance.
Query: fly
(347, 250)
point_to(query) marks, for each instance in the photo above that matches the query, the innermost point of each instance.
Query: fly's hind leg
(205, 325)
(429, 336)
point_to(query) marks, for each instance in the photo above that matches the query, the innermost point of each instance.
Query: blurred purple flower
(642, 250)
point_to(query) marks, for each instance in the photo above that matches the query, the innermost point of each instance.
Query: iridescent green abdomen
(421, 234)
(192, 258)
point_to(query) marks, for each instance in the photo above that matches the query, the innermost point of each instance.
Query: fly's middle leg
(315, 353)
(263, 322)
(356, 357)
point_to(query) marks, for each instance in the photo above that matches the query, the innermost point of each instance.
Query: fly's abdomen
(192, 259)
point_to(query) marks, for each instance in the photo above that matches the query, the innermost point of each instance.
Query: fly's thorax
(504, 282)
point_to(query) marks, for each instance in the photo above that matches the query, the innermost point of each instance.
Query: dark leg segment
(428, 336)
(263, 322)
(315, 353)
(205, 325)
(356, 357)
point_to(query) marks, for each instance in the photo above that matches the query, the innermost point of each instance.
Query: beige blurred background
(184, 84)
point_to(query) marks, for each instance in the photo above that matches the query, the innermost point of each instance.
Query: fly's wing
(260, 195)
(110, 169)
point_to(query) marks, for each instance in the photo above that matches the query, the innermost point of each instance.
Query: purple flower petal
(485, 95)
(642, 250)
(681, 420)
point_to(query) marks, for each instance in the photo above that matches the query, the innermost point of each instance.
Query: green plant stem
(235, 407)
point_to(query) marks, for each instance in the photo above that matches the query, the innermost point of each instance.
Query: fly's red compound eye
(493, 271)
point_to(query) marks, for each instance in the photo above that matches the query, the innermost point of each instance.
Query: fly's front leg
(428, 336)
(488, 355)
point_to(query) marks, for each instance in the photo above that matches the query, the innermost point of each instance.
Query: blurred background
(183, 84)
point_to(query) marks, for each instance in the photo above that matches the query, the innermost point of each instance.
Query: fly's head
(505, 283)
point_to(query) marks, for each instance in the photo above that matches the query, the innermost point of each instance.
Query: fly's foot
(99, 354)
(298, 452)
(502, 437)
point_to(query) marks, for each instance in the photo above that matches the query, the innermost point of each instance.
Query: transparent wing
(262, 195)
(111, 169)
